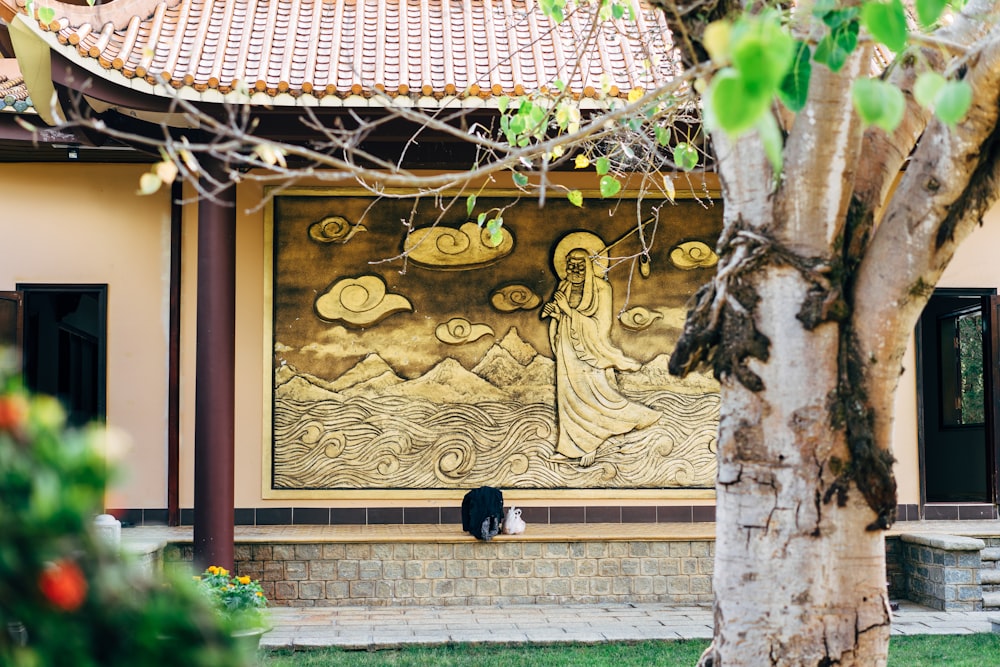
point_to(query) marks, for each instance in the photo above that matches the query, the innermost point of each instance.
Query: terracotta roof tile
(14, 96)
(434, 48)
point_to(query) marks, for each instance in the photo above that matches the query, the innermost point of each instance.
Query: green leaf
(770, 136)
(886, 21)
(735, 105)
(602, 165)
(575, 198)
(470, 204)
(517, 124)
(794, 89)
(834, 49)
(927, 88)
(481, 219)
(617, 10)
(502, 103)
(495, 228)
(761, 53)
(554, 9)
(953, 102)
(520, 180)
(46, 14)
(537, 114)
(685, 156)
(610, 186)
(662, 135)
(929, 11)
(878, 103)
(823, 7)
(835, 18)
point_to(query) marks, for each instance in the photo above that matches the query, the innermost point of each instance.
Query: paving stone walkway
(372, 628)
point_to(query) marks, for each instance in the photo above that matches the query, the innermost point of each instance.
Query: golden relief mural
(439, 360)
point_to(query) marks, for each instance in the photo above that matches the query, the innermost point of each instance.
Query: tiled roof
(347, 51)
(13, 93)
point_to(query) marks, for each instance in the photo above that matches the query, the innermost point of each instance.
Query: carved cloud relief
(334, 229)
(450, 249)
(459, 330)
(360, 302)
(509, 298)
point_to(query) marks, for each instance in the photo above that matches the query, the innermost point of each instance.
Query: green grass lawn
(920, 651)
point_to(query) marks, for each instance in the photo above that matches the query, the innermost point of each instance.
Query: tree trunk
(798, 579)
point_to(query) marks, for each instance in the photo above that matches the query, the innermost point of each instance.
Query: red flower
(63, 584)
(13, 412)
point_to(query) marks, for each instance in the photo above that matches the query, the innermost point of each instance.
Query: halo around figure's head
(589, 242)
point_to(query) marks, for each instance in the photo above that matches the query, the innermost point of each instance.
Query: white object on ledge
(108, 530)
(513, 524)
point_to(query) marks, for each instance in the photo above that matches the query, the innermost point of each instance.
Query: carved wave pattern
(407, 443)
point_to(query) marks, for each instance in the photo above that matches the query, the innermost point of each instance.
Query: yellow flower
(223, 571)
(260, 594)
(212, 569)
(244, 580)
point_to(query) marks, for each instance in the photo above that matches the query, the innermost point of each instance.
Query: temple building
(321, 353)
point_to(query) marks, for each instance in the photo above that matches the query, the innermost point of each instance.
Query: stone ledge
(440, 533)
(944, 542)
(991, 554)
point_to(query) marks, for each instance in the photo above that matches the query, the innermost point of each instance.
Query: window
(962, 386)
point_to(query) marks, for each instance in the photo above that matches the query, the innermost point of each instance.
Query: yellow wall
(85, 224)
(974, 265)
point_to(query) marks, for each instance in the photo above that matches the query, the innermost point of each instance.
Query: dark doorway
(64, 343)
(957, 344)
(11, 330)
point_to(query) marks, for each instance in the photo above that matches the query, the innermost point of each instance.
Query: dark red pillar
(215, 382)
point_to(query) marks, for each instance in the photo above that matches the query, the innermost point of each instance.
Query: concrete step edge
(991, 600)
(988, 577)
(990, 553)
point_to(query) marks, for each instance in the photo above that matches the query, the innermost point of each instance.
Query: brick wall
(943, 571)
(508, 571)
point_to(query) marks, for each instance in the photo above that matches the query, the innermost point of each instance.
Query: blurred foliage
(67, 597)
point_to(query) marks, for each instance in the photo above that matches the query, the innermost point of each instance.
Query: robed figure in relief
(590, 407)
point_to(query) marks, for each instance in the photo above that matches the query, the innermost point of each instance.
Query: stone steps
(989, 577)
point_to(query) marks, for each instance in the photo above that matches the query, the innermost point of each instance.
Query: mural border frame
(711, 190)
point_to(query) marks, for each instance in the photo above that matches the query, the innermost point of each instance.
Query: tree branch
(950, 183)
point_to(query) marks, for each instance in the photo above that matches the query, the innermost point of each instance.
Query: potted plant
(239, 600)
